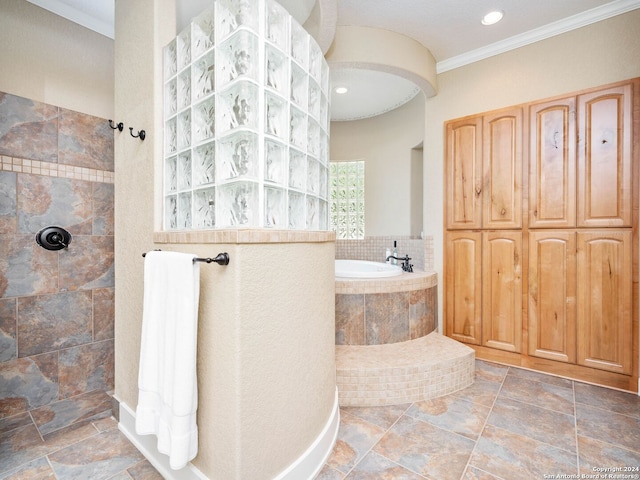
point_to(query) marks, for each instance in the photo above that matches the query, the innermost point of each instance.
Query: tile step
(404, 372)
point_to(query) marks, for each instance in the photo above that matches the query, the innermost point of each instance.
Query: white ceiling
(450, 29)
(370, 93)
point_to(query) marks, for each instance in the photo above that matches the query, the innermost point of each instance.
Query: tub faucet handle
(406, 266)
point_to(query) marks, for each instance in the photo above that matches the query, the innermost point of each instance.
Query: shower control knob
(53, 238)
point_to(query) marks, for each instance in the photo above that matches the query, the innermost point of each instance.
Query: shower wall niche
(246, 102)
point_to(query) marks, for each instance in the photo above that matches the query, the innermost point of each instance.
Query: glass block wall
(246, 102)
(347, 199)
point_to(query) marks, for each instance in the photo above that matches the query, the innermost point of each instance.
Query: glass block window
(346, 193)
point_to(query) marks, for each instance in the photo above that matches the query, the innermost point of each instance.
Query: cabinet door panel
(502, 290)
(464, 174)
(604, 158)
(552, 295)
(552, 164)
(605, 300)
(464, 286)
(502, 157)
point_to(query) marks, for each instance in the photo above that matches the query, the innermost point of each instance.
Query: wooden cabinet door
(552, 295)
(463, 165)
(502, 290)
(464, 286)
(604, 158)
(605, 300)
(502, 160)
(552, 164)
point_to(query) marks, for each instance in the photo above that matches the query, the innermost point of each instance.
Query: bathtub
(365, 269)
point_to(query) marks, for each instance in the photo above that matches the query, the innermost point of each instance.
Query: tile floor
(73, 439)
(510, 424)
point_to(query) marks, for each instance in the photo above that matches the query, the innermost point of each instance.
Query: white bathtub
(365, 269)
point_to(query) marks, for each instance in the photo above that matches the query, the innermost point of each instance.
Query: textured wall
(266, 321)
(385, 143)
(54, 60)
(56, 307)
(266, 356)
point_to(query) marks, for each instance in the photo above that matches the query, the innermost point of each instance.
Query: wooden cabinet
(552, 295)
(580, 178)
(580, 297)
(484, 200)
(604, 300)
(484, 171)
(464, 281)
(552, 164)
(502, 160)
(562, 216)
(464, 173)
(484, 294)
(604, 157)
(502, 290)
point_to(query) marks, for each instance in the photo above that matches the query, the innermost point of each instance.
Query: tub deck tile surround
(350, 319)
(402, 283)
(423, 312)
(386, 318)
(387, 310)
(373, 248)
(428, 367)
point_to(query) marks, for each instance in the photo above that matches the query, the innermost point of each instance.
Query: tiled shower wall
(56, 307)
(374, 249)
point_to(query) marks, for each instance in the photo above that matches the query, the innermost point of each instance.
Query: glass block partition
(246, 109)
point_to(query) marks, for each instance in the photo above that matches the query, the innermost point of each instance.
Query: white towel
(168, 390)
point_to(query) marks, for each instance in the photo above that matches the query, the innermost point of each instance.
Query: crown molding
(71, 13)
(594, 15)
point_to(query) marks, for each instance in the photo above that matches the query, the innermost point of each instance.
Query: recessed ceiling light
(492, 17)
(341, 90)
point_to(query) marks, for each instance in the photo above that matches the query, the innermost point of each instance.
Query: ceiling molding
(556, 28)
(103, 27)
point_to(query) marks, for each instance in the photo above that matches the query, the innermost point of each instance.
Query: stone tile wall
(382, 318)
(56, 307)
(374, 249)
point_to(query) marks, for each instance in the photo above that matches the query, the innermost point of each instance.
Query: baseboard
(147, 445)
(307, 466)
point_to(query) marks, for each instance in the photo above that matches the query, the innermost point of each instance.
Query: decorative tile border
(237, 236)
(49, 169)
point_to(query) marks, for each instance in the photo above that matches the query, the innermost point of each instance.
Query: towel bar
(220, 259)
